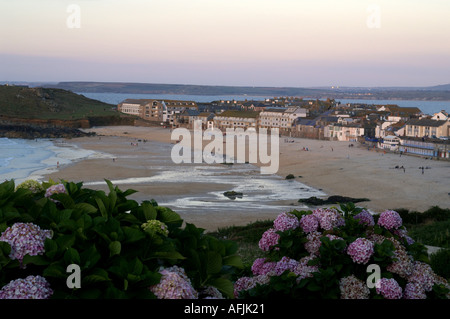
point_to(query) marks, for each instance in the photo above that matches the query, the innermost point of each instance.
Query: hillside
(46, 113)
(49, 103)
(435, 93)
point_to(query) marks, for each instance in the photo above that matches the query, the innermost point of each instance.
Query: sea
(427, 107)
(22, 159)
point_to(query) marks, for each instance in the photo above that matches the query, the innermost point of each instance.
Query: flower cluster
(309, 223)
(390, 220)
(329, 218)
(389, 288)
(365, 218)
(32, 287)
(299, 252)
(361, 250)
(55, 189)
(32, 185)
(25, 238)
(269, 239)
(353, 288)
(247, 283)
(174, 284)
(156, 227)
(285, 221)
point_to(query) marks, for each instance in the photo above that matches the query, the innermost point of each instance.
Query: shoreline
(328, 166)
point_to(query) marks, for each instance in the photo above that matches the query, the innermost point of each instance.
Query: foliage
(440, 262)
(343, 252)
(120, 245)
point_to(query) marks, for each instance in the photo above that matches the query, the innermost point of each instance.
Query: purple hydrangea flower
(25, 238)
(309, 223)
(365, 218)
(174, 284)
(285, 221)
(55, 189)
(390, 220)
(361, 250)
(389, 288)
(268, 240)
(32, 287)
(329, 218)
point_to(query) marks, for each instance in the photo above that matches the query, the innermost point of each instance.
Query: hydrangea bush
(124, 249)
(330, 253)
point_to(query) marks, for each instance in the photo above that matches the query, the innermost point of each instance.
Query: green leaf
(37, 260)
(56, 271)
(225, 286)
(168, 255)
(85, 208)
(101, 207)
(213, 263)
(168, 216)
(132, 234)
(114, 248)
(51, 248)
(96, 275)
(235, 261)
(71, 256)
(149, 210)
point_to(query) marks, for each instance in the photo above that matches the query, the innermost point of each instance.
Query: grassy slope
(44, 103)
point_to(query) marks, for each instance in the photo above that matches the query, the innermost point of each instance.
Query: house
(427, 128)
(396, 110)
(390, 142)
(151, 110)
(236, 119)
(339, 132)
(442, 115)
(163, 111)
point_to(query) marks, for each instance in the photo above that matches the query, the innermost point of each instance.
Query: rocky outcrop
(32, 132)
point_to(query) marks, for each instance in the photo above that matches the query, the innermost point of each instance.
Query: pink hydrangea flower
(284, 264)
(390, 220)
(353, 288)
(314, 243)
(414, 290)
(389, 288)
(174, 284)
(329, 218)
(285, 221)
(261, 267)
(55, 189)
(365, 218)
(247, 283)
(25, 238)
(309, 223)
(32, 287)
(268, 240)
(423, 275)
(361, 250)
(303, 270)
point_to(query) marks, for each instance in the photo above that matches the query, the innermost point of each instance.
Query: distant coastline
(432, 93)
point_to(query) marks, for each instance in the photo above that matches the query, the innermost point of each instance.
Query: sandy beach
(331, 167)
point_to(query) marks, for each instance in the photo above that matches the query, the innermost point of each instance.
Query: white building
(390, 142)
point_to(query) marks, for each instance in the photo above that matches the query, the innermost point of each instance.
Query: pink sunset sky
(298, 43)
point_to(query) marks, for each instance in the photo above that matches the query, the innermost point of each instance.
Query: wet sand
(333, 167)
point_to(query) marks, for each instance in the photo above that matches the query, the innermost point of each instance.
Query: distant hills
(48, 112)
(432, 93)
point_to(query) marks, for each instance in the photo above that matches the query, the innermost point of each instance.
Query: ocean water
(22, 159)
(260, 192)
(427, 107)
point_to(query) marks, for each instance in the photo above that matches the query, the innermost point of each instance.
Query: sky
(296, 43)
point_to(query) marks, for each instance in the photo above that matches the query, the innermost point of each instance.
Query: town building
(236, 119)
(427, 128)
